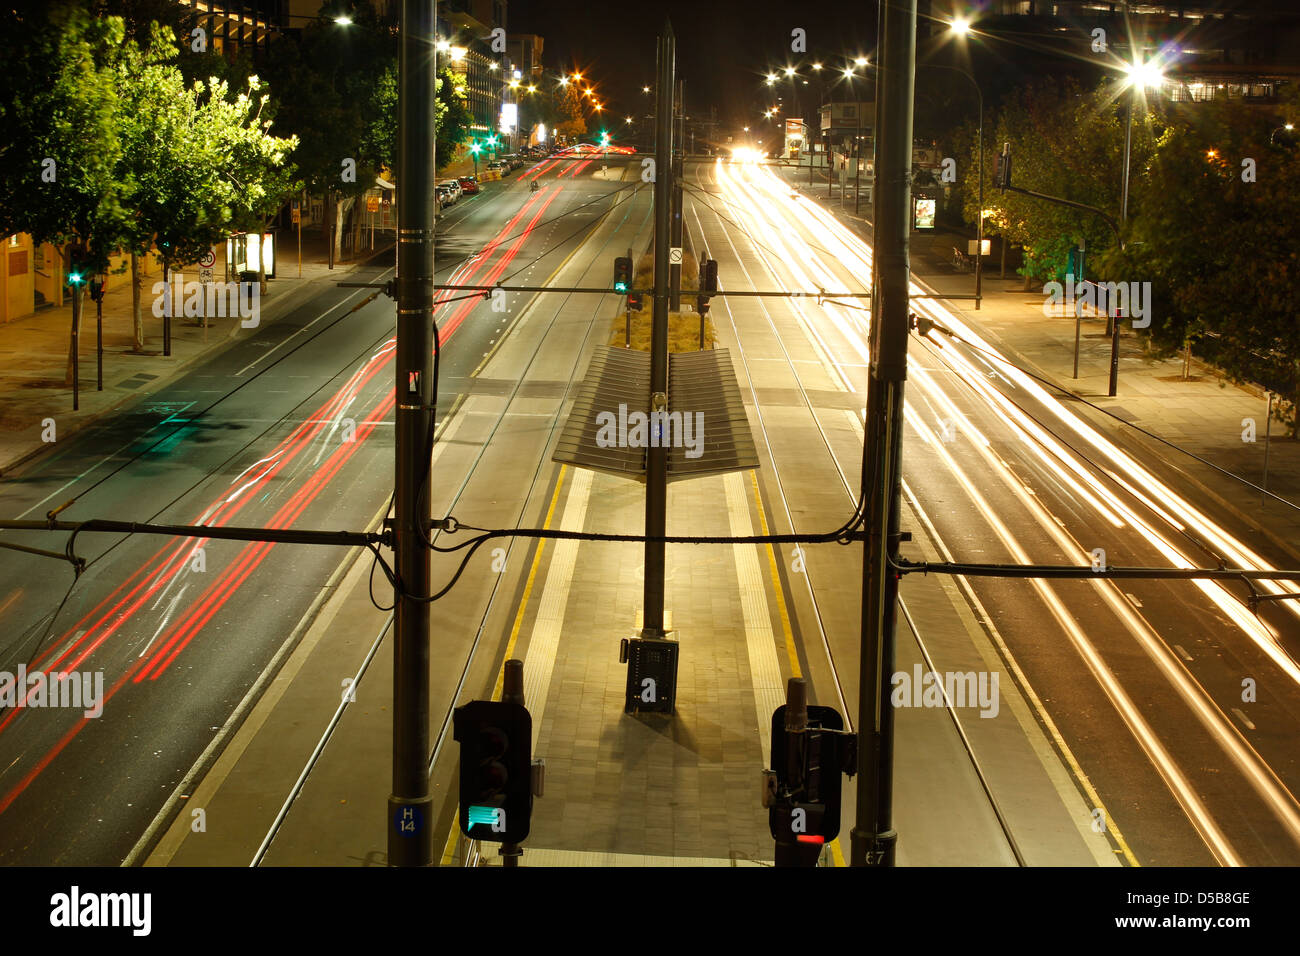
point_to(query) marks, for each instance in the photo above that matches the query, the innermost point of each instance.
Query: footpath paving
(314, 769)
(1201, 412)
(35, 390)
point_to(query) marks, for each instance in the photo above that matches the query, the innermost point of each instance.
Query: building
(475, 32)
(1241, 50)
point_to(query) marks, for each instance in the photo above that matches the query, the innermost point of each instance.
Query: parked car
(469, 185)
(454, 186)
(497, 166)
(445, 196)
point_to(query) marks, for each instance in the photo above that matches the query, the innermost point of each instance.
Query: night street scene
(539, 434)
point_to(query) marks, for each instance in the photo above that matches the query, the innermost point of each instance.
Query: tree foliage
(1216, 236)
(1064, 143)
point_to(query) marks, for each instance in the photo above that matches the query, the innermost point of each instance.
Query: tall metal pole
(857, 158)
(873, 837)
(979, 231)
(1128, 146)
(410, 823)
(656, 483)
(679, 167)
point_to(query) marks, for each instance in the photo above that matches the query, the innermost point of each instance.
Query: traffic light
(708, 283)
(634, 301)
(622, 274)
(1002, 168)
(810, 751)
(496, 787)
(76, 276)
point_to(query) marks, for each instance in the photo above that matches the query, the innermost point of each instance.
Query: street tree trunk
(137, 316)
(74, 331)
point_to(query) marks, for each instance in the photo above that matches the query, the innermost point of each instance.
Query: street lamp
(960, 26)
(1289, 127)
(1139, 76)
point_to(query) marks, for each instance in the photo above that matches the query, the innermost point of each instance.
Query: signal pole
(656, 475)
(410, 823)
(679, 166)
(873, 836)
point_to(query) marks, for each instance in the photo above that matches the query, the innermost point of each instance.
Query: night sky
(724, 48)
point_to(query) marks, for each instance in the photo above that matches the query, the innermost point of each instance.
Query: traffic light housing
(805, 806)
(634, 301)
(496, 788)
(708, 283)
(1002, 168)
(622, 274)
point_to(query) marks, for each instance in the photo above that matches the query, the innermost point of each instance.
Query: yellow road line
(448, 853)
(776, 585)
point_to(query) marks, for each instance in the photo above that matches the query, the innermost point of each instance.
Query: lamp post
(979, 228)
(1140, 75)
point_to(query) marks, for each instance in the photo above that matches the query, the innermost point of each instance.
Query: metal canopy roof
(705, 428)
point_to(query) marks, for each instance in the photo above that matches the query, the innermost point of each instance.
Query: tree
(453, 118)
(59, 154)
(336, 93)
(1064, 143)
(1216, 237)
(255, 164)
(170, 165)
(572, 124)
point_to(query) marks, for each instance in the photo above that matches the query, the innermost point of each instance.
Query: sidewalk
(1203, 414)
(34, 351)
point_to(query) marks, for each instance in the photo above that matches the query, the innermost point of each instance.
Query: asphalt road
(291, 426)
(1143, 679)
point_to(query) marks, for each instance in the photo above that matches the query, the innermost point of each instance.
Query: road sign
(675, 255)
(205, 275)
(209, 259)
(297, 217)
(372, 204)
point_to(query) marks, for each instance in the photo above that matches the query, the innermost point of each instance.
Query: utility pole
(679, 167)
(656, 482)
(873, 836)
(410, 822)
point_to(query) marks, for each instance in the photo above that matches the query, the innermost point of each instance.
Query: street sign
(209, 259)
(372, 204)
(205, 275)
(675, 255)
(297, 217)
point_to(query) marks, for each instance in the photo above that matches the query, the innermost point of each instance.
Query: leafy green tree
(1216, 237)
(453, 119)
(59, 154)
(572, 123)
(336, 93)
(1064, 143)
(253, 164)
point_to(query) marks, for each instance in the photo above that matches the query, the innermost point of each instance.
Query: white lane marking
(1244, 719)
